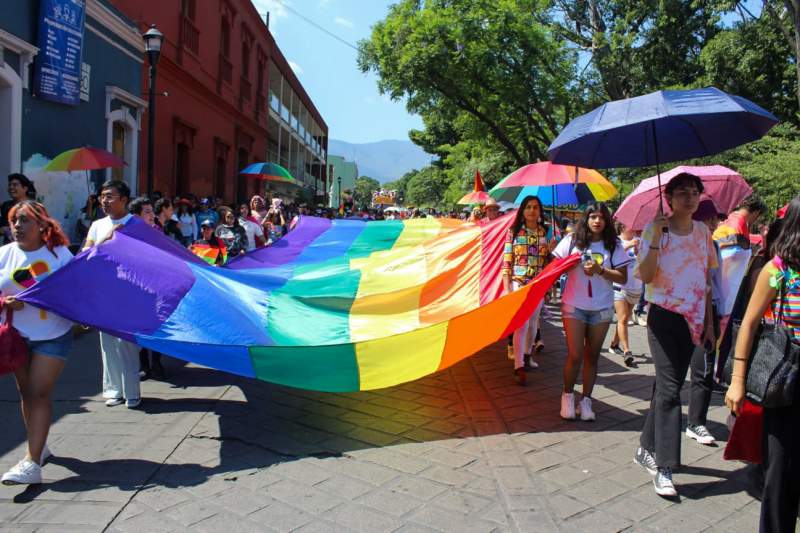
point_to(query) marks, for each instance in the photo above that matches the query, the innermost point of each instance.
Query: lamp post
(339, 180)
(152, 45)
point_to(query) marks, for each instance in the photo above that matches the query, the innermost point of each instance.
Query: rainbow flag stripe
(341, 305)
(209, 254)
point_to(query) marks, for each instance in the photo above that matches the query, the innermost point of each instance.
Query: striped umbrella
(478, 194)
(86, 159)
(555, 185)
(269, 172)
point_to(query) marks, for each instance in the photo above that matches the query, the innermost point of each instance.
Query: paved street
(463, 450)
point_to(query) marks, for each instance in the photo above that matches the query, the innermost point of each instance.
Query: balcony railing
(225, 69)
(245, 89)
(261, 105)
(190, 35)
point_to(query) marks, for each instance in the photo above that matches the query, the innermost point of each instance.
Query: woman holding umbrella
(675, 259)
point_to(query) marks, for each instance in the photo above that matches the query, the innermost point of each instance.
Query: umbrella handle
(658, 173)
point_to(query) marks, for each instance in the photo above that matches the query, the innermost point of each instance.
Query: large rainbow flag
(341, 305)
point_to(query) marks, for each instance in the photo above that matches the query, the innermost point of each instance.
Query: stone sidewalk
(462, 450)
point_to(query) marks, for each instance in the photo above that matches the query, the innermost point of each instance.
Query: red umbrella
(726, 187)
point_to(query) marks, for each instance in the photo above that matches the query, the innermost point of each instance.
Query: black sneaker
(615, 349)
(628, 359)
(647, 460)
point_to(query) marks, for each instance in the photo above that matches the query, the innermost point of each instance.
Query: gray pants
(120, 368)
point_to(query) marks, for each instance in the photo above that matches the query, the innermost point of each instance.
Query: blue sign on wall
(57, 74)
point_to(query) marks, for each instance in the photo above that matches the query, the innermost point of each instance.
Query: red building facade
(227, 97)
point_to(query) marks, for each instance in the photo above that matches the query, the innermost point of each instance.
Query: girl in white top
(588, 299)
(40, 248)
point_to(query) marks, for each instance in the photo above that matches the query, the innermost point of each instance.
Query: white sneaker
(133, 403)
(25, 472)
(700, 434)
(663, 484)
(568, 406)
(111, 402)
(585, 409)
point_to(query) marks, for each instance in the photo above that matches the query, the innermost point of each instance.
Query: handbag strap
(782, 296)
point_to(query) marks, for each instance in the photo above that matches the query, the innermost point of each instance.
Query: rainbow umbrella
(554, 184)
(269, 172)
(478, 194)
(86, 159)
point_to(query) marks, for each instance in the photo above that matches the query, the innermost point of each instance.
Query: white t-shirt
(633, 284)
(18, 271)
(100, 230)
(580, 286)
(252, 229)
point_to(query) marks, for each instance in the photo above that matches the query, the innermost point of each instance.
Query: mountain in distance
(382, 160)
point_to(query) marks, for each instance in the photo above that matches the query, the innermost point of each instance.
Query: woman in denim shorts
(587, 301)
(40, 248)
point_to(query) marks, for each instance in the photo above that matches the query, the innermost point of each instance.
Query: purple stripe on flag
(128, 283)
(286, 249)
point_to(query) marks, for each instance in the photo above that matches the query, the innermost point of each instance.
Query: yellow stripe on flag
(400, 358)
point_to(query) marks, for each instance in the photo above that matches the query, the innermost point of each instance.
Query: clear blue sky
(348, 100)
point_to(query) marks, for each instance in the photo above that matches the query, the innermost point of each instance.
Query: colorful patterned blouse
(525, 255)
(791, 305)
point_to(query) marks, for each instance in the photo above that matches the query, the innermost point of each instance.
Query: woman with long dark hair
(675, 259)
(527, 248)
(587, 301)
(39, 249)
(777, 288)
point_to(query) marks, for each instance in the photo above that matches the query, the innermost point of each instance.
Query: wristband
(655, 247)
(740, 358)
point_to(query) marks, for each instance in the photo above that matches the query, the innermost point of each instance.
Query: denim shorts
(632, 297)
(58, 347)
(590, 318)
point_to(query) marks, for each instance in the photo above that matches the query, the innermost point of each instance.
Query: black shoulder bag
(772, 368)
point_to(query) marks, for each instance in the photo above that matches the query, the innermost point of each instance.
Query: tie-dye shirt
(681, 281)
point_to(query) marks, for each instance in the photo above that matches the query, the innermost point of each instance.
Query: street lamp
(152, 45)
(339, 179)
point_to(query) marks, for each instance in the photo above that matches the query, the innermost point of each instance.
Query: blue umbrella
(660, 127)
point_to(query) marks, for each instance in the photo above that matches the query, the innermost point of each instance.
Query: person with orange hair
(40, 248)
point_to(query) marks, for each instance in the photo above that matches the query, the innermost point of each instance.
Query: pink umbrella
(726, 188)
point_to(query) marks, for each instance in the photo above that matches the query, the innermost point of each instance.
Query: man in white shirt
(120, 357)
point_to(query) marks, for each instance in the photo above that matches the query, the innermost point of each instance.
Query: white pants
(120, 368)
(525, 336)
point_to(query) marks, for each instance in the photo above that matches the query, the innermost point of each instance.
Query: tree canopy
(496, 80)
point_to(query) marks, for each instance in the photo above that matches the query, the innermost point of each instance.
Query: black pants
(702, 381)
(781, 496)
(672, 350)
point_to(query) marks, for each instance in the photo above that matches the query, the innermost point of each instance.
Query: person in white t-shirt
(626, 295)
(120, 357)
(587, 301)
(254, 231)
(40, 248)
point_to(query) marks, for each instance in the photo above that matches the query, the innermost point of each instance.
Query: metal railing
(190, 35)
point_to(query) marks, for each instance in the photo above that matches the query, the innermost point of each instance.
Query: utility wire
(321, 28)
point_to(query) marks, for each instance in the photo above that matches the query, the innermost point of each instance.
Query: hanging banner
(57, 74)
